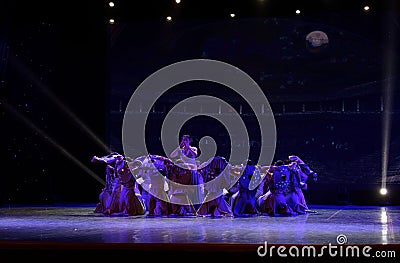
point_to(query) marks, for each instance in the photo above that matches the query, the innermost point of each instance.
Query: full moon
(316, 40)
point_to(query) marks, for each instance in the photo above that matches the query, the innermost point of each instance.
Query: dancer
(214, 204)
(105, 195)
(235, 171)
(273, 202)
(244, 201)
(154, 170)
(185, 152)
(294, 194)
(186, 166)
(181, 204)
(300, 173)
(304, 168)
(111, 188)
(130, 202)
(114, 207)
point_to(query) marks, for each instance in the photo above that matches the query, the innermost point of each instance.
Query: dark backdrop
(55, 79)
(66, 75)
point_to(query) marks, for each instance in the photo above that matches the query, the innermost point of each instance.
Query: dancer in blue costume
(244, 200)
(300, 174)
(273, 202)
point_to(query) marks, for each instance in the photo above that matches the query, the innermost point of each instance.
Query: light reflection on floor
(360, 225)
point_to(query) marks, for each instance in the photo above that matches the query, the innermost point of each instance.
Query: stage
(56, 230)
(361, 225)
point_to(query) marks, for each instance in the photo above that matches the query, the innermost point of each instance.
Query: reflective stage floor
(63, 227)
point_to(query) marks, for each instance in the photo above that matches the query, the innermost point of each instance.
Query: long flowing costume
(273, 203)
(130, 202)
(157, 184)
(180, 202)
(294, 194)
(300, 173)
(108, 198)
(115, 194)
(213, 205)
(105, 196)
(244, 201)
(189, 160)
(280, 191)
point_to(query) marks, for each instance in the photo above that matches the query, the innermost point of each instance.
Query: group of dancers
(250, 189)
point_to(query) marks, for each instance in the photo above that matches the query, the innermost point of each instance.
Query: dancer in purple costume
(300, 173)
(112, 188)
(105, 196)
(130, 201)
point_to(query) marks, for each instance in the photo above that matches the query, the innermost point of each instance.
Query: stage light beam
(25, 71)
(46, 137)
(389, 69)
(383, 191)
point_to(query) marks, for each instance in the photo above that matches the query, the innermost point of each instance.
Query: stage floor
(359, 224)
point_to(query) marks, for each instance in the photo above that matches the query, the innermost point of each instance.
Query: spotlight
(383, 191)
(111, 21)
(111, 4)
(298, 12)
(178, 1)
(366, 8)
(169, 19)
(232, 15)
